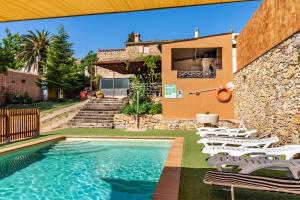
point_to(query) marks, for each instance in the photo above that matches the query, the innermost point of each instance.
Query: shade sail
(14, 10)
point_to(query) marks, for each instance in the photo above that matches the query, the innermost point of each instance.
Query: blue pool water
(118, 170)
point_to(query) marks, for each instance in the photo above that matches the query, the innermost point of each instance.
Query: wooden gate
(16, 124)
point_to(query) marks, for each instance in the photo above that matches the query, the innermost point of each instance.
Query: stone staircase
(98, 113)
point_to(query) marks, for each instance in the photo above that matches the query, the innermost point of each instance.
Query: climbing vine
(127, 64)
(151, 62)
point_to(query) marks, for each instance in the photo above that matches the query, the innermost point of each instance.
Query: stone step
(106, 101)
(101, 108)
(94, 117)
(104, 104)
(91, 125)
(98, 113)
(97, 121)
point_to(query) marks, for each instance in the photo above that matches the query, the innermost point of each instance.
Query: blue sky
(110, 31)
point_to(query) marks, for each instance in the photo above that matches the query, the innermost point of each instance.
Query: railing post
(7, 131)
(38, 122)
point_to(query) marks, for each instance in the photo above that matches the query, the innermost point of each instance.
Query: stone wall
(111, 54)
(268, 91)
(123, 121)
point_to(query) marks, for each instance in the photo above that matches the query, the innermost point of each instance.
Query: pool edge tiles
(17, 147)
(169, 182)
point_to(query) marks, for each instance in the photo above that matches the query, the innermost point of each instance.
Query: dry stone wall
(268, 91)
(157, 122)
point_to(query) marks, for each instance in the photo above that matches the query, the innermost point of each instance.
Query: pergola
(127, 67)
(15, 10)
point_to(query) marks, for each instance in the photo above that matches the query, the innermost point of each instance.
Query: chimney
(197, 33)
(137, 37)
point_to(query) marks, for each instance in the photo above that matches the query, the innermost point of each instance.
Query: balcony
(196, 62)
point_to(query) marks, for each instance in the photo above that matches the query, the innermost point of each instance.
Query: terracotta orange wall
(272, 23)
(190, 105)
(12, 82)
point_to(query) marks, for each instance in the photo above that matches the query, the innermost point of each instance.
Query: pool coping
(169, 181)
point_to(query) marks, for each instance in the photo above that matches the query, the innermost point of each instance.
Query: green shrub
(144, 108)
(155, 108)
(142, 93)
(15, 98)
(129, 109)
(28, 100)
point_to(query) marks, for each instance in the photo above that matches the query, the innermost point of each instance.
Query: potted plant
(208, 118)
(99, 95)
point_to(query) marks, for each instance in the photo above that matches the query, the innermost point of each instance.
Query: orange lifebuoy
(225, 98)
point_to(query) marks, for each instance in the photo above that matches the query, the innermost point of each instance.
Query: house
(186, 66)
(192, 65)
(112, 64)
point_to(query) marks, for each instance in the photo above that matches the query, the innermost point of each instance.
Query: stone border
(5, 150)
(169, 181)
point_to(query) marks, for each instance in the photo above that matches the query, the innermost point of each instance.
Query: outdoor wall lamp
(23, 81)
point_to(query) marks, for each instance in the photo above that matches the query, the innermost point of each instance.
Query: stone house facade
(132, 51)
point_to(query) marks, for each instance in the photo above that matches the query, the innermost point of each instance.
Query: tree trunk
(60, 93)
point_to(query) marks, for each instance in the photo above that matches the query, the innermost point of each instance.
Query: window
(146, 49)
(117, 83)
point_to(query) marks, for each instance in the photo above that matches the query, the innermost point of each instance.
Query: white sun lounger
(288, 151)
(241, 142)
(226, 133)
(242, 128)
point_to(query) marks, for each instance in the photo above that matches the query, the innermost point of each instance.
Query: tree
(130, 37)
(87, 64)
(3, 66)
(34, 49)
(9, 48)
(61, 71)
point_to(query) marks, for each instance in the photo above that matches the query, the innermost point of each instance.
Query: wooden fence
(16, 124)
(273, 22)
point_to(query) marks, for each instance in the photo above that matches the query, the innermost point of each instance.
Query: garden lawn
(48, 106)
(193, 165)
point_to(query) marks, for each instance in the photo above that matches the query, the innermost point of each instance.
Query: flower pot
(100, 96)
(208, 118)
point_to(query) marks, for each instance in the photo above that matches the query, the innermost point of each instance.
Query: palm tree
(33, 50)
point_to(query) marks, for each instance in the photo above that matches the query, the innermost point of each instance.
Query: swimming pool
(84, 169)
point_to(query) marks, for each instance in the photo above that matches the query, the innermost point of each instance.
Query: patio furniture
(241, 142)
(227, 133)
(233, 180)
(241, 128)
(289, 151)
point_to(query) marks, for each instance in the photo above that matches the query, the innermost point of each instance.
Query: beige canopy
(14, 10)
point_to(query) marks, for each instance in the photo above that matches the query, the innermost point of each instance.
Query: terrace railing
(17, 124)
(195, 74)
(152, 89)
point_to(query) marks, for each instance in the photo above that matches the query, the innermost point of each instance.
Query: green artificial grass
(194, 165)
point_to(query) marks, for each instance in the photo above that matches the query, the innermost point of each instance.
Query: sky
(110, 30)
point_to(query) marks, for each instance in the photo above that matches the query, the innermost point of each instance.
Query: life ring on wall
(222, 98)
